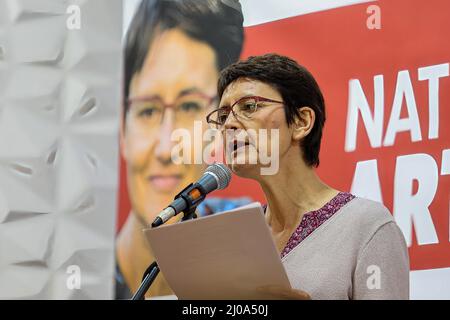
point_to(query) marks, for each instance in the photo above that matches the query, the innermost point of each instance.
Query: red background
(337, 46)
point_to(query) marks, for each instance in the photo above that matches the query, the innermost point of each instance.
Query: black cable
(149, 276)
(152, 271)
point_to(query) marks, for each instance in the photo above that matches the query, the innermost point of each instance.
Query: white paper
(223, 256)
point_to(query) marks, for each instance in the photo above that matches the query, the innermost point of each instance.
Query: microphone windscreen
(223, 174)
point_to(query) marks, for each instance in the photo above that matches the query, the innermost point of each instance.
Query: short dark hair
(218, 23)
(296, 85)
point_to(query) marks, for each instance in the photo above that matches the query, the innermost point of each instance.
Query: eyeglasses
(243, 108)
(189, 107)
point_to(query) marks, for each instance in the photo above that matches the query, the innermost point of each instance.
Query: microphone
(216, 176)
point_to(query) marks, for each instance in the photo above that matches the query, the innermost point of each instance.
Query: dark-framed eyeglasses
(244, 108)
(187, 108)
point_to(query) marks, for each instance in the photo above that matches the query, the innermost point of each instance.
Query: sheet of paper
(223, 256)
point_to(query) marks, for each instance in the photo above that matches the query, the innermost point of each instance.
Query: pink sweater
(350, 249)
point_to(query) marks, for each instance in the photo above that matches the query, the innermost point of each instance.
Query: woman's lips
(165, 183)
(235, 146)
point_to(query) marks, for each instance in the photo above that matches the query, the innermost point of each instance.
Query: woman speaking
(333, 245)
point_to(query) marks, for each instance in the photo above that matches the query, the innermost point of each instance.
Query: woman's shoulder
(367, 214)
(368, 218)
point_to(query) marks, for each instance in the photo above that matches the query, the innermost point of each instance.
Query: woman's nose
(165, 144)
(232, 123)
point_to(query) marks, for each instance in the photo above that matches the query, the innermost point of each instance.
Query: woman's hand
(283, 293)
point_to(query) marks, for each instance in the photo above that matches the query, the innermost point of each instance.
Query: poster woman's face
(173, 89)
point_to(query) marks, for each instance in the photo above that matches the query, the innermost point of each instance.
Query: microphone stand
(153, 270)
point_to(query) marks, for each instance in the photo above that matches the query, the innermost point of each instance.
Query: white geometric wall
(59, 120)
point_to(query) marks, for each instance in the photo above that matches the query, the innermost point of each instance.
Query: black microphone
(216, 176)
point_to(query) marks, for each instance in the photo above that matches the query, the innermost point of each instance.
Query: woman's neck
(292, 192)
(132, 251)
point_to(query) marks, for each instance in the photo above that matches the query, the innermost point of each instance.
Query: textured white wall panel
(59, 119)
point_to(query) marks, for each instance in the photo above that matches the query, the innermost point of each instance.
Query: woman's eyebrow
(242, 97)
(189, 91)
(145, 98)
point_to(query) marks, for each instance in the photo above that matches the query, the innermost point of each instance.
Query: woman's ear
(303, 123)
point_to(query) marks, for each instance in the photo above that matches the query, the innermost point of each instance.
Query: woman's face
(174, 88)
(266, 134)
